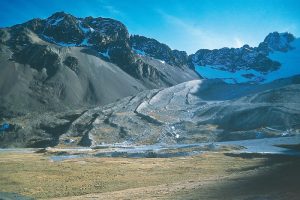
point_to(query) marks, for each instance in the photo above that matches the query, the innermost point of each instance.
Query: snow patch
(91, 29)
(139, 52)
(85, 30)
(54, 22)
(162, 61)
(66, 44)
(212, 72)
(85, 42)
(97, 121)
(105, 54)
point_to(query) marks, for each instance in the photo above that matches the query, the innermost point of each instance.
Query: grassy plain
(215, 175)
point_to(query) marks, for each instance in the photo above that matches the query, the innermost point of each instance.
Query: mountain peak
(65, 29)
(279, 41)
(153, 48)
(59, 14)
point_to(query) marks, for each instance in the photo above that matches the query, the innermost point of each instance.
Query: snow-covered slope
(239, 76)
(290, 62)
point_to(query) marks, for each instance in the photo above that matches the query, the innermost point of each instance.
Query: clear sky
(182, 24)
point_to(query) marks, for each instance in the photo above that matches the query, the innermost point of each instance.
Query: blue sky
(182, 24)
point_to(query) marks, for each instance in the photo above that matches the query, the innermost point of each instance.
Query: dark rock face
(231, 59)
(146, 47)
(106, 36)
(277, 41)
(64, 28)
(39, 57)
(155, 49)
(109, 37)
(39, 130)
(180, 57)
(72, 63)
(104, 32)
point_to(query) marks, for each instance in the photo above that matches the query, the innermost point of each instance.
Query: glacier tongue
(290, 62)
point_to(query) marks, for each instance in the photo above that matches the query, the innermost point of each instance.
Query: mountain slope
(64, 62)
(190, 112)
(43, 76)
(194, 111)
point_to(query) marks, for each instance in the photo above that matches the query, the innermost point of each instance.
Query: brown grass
(36, 176)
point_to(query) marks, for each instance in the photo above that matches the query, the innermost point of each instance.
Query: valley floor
(213, 175)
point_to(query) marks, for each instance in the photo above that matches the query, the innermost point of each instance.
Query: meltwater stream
(261, 146)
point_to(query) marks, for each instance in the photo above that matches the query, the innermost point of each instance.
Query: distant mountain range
(86, 81)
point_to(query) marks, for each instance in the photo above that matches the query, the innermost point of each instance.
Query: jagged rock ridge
(275, 55)
(151, 47)
(246, 57)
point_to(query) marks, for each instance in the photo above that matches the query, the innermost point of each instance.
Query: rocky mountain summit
(277, 42)
(151, 47)
(103, 34)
